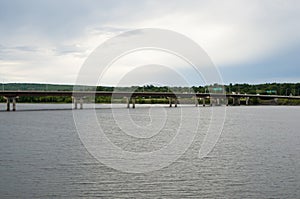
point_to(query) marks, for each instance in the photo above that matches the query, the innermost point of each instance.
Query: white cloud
(143, 64)
(233, 32)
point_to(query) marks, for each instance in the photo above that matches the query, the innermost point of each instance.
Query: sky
(249, 41)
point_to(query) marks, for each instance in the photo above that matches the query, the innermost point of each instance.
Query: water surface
(257, 156)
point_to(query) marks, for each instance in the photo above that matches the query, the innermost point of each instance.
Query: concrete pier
(176, 102)
(247, 100)
(218, 102)
(7, 103)
(127, 102)
(12, 100)
(81, 103)
(133, 102)
(170, 102)
(14, 103)
(77, 100)
(203, 101)
(236, 101)
(196, 101)
(74, 102)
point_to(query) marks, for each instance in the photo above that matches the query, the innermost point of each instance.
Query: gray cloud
(18, 48)
(48, 34)
(69, 49)
(108, 29)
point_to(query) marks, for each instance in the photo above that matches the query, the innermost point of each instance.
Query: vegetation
(262, 89)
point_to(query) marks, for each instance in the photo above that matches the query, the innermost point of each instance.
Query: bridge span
(78, 97)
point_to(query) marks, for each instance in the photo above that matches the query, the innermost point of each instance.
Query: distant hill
(40, 87)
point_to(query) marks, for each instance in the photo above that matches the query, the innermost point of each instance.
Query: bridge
(78, 97)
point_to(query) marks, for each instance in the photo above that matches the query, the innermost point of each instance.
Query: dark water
(257, 156)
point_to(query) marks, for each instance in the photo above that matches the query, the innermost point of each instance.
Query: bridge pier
(81, 103)
(214, 101)
(7, 103)
(196, 101)
(236, 101)
(218, 102)
(276, 100)
(170, 102)
(203, 101)
(127, 102)
(227, 101)
(75, 102)
(14, 102)
(211, 101)
(176, 102)
(133, 102)
(247, 100)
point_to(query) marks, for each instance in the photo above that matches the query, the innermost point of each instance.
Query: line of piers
(212, 101)
(236, 101)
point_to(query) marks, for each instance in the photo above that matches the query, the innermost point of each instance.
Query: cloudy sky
(252, 41)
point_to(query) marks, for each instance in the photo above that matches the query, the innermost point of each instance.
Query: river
(256, 156)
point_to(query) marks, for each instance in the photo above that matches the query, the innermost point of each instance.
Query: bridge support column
(133, 102)
(218, 102)
(176, 102)
(7, 103)
(227, 101)
(196, 102)
(14, 103)
(128, 102)
(74, 102)
(247, 100)
(81, 103)
(236, 101)
(203, 101)
(77, 100)
(170, 102)
(211, 101)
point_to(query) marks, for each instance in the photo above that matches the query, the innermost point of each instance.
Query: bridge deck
(134, 94)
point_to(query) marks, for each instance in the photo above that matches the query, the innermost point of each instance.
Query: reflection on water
(257, 156)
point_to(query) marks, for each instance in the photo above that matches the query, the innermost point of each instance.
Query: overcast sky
(252, 41)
